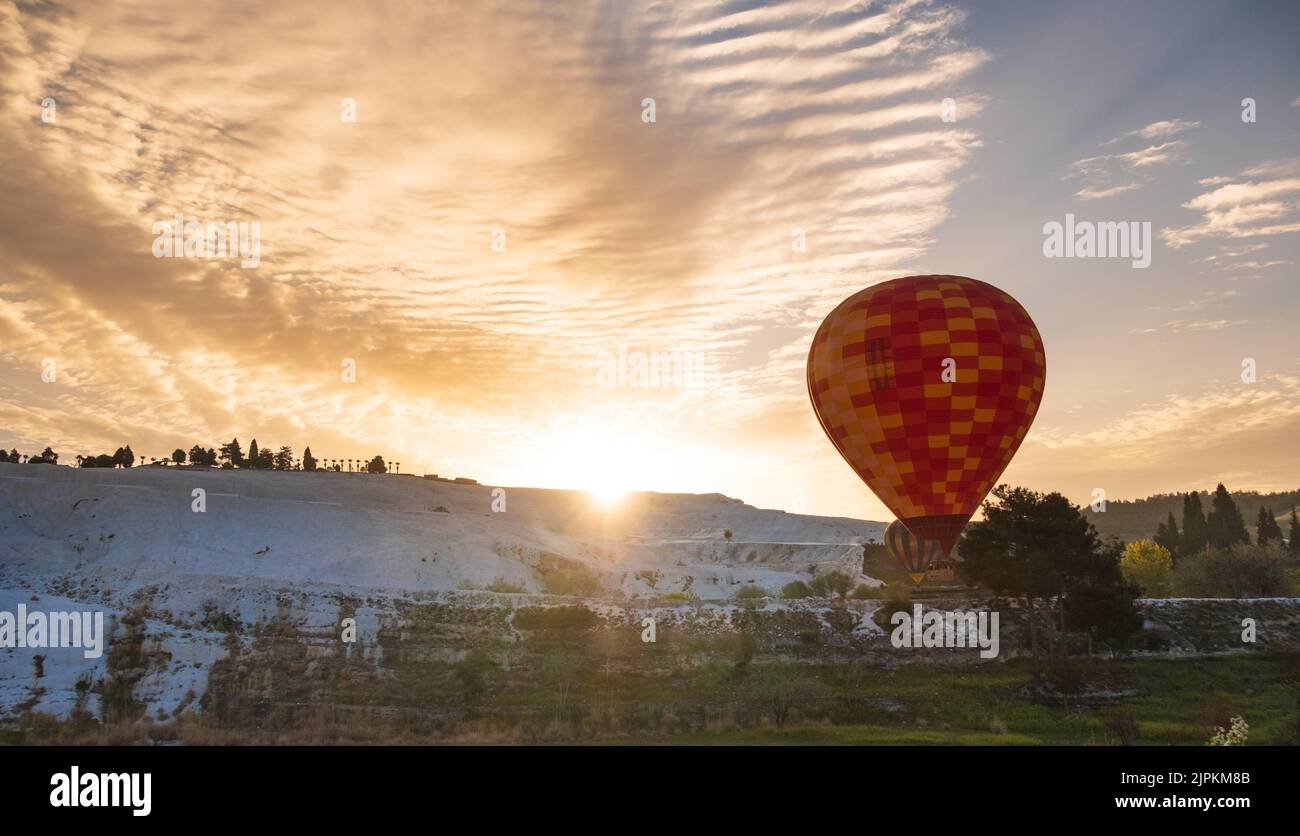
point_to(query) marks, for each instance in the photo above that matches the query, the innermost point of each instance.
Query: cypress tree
(1194, 528)
(1262, 531)
(1293, 537)
(1167, 535)
(1225, 525)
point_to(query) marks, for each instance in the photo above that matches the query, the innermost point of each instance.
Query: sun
(607, 496)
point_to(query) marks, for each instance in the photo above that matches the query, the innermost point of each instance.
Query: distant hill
(1138, 519)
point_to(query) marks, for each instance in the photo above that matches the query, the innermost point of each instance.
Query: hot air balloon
(927, 385)
(914, 555)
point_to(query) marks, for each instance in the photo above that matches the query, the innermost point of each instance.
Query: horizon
(450, 233)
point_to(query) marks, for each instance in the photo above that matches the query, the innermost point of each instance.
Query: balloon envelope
(927, 385)
(914, 554)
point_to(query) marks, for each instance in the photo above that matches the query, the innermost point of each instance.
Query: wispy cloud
(668, 235)
(1090, 193)
(1159, 430)
(1261, 201)
(1155, 130)
(1100, 172)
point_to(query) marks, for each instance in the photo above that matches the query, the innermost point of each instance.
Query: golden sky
(526, 125)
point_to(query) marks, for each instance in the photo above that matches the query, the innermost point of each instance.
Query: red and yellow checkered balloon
(927, 385)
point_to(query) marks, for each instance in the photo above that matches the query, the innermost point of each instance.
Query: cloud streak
(377, 235)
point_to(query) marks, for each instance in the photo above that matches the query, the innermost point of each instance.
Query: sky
(474, 220)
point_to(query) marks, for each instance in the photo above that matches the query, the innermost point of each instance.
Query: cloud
(377, 235)
(1100, 172)
(1089, 193)
(1261, 201)
(1179, 326)
(1158, 430)
(1168, 127)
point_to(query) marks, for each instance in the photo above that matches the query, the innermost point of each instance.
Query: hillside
(1137, 519)
(233, 615)
(398, 533)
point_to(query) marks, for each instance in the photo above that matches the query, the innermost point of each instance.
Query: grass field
(1169, 702)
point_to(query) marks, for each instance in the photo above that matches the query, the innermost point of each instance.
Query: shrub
(561, 576)
(1234, 735)
(897, 601)
(862, 592)
(832, 583)
(1122, 723)
(1149, 566)
(841, 620)
(750, 592)
(1243, 571)
(796, 589)
(504, 586)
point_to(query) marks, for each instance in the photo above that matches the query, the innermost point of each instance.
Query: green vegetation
(1242, 571)
(1150, 567)
(562, 576)
(503, 586)
(795, 590)
(831, 584)
(1131, 520)
(1040, 549)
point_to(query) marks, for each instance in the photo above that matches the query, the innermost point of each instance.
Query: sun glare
(607, 497)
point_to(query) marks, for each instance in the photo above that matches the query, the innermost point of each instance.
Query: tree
(1041, 549)
(254, 455)
(308, 461)
(232, 453)
(1240, 571)
(376, 465)
(1224, 525)
(178, 456)
(283, 459)
(780, 688)
(1167, 535)
(13, 456)
(47, 456)
(832, 583)
(1195, 536)
(1293, 536)
(1266, 528)
(128, 457)
(198, 457)
(1150, 567)
(1100, 604)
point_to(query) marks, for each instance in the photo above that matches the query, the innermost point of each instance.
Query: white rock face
(107, 539)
